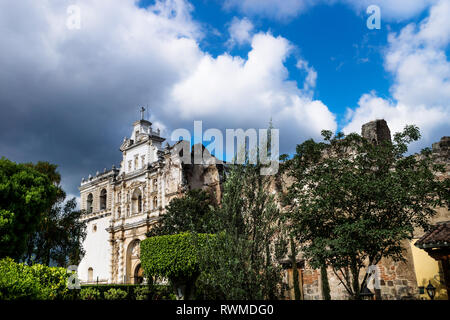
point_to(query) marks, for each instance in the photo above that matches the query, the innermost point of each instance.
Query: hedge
(37, 282)
(132, 291)
(172, 256)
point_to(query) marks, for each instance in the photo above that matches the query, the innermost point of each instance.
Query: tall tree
(242, 261)
(353, 201)
(190, 213)
(25, 194)
(58, 239)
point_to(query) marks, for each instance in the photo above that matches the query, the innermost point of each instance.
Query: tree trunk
(355, 279)
(325, 284)
(297, 295)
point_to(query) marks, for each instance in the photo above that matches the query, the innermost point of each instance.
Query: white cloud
(417, 60)
(247, 93)
(390, 9)
(240, 31)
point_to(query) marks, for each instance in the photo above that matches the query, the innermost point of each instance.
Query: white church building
(122, 204)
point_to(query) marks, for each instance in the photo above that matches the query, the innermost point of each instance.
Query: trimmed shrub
(115, 294)
(134, 291)
(90, 294)
(37, 282)
(172, 256)
(142, 293)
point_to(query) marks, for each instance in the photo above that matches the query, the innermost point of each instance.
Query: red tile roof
(438, 236)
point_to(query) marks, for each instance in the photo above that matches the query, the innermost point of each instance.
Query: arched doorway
(133, 261)
(138, 274)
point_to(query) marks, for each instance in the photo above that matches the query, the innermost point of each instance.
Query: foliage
(25, 194)
(115, 294)
(174, 257)
(191, 213)
(241, 263)
(90, 294)
(60, 236)
(60, 232)
(142, 293)
(135, 291)
(352, 202)
(37, 282)
(171, 256)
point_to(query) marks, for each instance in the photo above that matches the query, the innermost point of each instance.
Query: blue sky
(333, 38)
(68, 95)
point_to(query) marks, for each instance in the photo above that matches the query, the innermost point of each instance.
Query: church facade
(122, 204)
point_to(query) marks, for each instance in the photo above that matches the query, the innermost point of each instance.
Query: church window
(89, 203)
(136, 201)
(103, 199)
(90, 274)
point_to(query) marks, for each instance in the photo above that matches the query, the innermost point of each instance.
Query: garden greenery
(38, 282)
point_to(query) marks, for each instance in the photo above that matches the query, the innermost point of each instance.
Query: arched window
(90, 275)
(103, 199)
(89, 202)
(155, 203)
(136, 201)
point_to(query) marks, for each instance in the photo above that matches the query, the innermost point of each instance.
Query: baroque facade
(122, 204)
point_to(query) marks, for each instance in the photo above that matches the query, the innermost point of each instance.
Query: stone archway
(133, 260)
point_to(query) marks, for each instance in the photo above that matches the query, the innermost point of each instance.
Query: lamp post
(431, 290)
(366, 294)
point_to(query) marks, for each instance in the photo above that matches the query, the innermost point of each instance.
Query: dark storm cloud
(70, 96)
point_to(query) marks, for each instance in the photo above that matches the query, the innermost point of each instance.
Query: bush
(115, 294)
(37, 282)
(142, 293)
(172, 256)
(90, 294)
(133, 291)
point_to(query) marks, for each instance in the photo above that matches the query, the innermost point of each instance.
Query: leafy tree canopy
(191, 213)
(25, 194)
(352, 202)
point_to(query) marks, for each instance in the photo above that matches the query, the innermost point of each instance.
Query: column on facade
(111, 260)
(121, 261)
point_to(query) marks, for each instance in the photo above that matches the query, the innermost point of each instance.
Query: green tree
(174, 257)
(242, 262)
(58, 239)
(353, 201)
(25, 194)
(190, 213)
